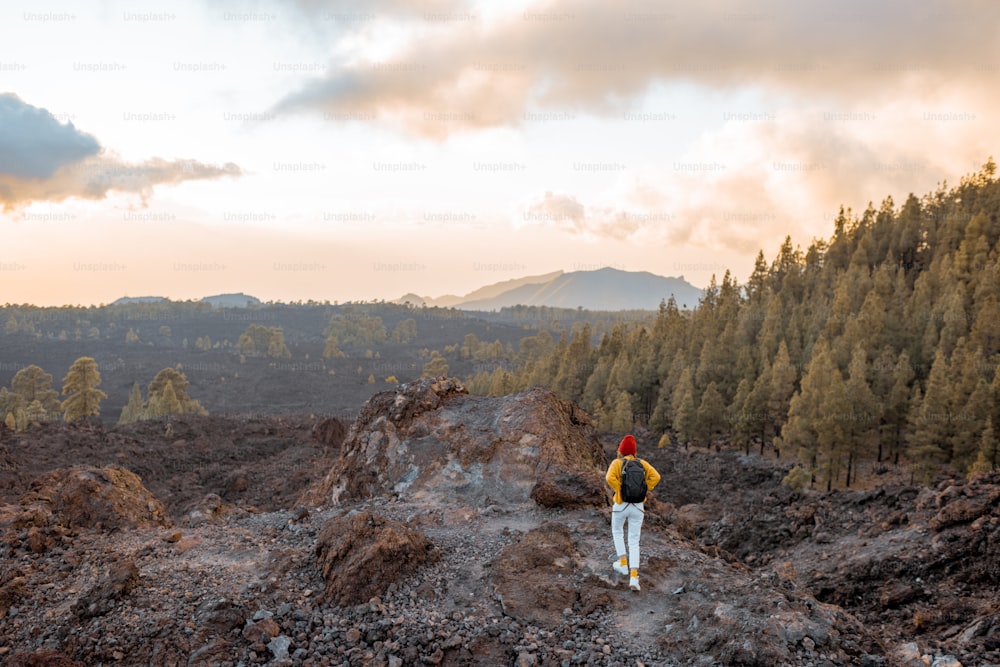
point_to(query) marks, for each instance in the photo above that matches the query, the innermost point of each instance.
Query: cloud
(42, 159)
(565, 212)
(743, 184)
(34, 144)
(570, 54)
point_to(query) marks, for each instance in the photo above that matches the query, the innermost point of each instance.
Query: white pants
(633, 514)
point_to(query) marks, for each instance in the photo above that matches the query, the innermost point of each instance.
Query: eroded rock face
(430, 440)
(100, 498)
(361, 554)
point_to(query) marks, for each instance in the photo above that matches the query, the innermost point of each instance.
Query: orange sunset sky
(363, 150)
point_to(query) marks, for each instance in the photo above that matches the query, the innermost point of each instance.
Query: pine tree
(597, 383)
(622, 419)
(756, 410)
(989, 450)
(574, 367)
(832, 439)
(9, 402)
(682, 406)
(970, 421)
(985, 332)
(35, 414)
(30, 384)
(405, 332)
(896, 409)
(660, 421)
(861, 426)
(80, 387)
(931, 426)
(809, 413)
(740, 427)
(436, 366)
(276, 347)
(180, 402)
(780, 387)
(330, 349)
(710, 414)
(165, 401)
(135, 409)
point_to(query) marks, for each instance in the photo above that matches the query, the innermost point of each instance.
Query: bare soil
(737, 570)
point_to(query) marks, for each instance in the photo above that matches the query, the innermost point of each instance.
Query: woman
(628, 512)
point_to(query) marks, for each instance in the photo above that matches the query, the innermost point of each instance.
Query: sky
(362, 150)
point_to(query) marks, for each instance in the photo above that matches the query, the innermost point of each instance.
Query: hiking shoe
(620, 569)
(633, 583)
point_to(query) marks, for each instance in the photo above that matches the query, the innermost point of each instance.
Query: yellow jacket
(614, 476)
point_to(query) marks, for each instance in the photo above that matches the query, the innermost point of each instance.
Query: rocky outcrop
(430, 440)
(361, 554)
(105, 499)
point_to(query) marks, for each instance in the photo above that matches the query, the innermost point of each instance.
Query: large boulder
(431, 440)
(360, 554)
(87, 497)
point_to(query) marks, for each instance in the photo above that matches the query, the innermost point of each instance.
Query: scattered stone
(261, 631)
(279, 647)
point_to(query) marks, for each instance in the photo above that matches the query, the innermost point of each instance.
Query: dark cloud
(96, 177)
(42, 159)
(34, 144)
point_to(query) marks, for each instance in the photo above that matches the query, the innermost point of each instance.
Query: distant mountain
(238, 300)
(481, 294)
(602, 289)
(126, 300)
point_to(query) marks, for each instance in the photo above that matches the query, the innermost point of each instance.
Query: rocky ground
(432, 533)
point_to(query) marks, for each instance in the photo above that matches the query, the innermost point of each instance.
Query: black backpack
(633, 481)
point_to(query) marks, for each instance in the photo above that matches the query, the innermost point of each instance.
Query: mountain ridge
(599, 289)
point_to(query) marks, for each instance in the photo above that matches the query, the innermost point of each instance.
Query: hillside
(874, 349)
(131, 343)
(202, 562)
(606, 289)
(483, 293)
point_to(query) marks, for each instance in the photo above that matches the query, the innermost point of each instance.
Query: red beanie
(627, 448)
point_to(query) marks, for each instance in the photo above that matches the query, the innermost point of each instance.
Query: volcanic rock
(100, 599)
(41, 658)
(361, 554)
(430, 440)
(103, 498)
(329, 432)
(534, 575)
